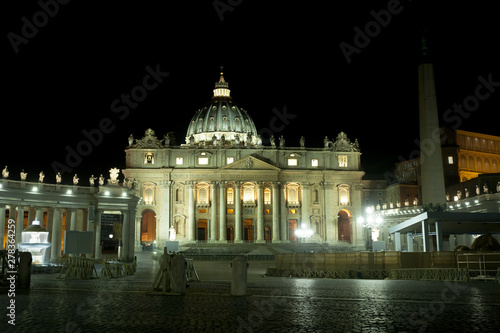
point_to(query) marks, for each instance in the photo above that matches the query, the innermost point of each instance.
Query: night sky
(62, 78)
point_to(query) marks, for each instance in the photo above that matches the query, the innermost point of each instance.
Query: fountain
(35, 240)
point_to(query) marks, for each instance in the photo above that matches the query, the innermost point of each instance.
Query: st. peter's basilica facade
(223, 185)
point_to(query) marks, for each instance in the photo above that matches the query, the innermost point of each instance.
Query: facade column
(306, 205)
(260, 213)
(2, 226)
(97, 227)
(164, 226)
(222, 213)
(191, 223)
(276, 213)
(50, 217)
(283, 211)
(237, 213)
(213, 210)
(329, 218)
(125, 236)
(19, 223)
(55, 251)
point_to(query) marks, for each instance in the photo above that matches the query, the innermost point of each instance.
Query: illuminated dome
(221, 117)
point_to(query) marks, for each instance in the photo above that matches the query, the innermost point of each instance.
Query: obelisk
(432, 174)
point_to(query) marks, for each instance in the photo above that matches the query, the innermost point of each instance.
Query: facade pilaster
(164, 225)
(306, 204)
(283, 211)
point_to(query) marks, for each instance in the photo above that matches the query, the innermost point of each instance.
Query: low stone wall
(357, 261)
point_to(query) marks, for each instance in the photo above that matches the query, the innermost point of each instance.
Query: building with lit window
(224, 185)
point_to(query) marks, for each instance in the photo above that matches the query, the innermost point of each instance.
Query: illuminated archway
(148, 226)
(344, 226)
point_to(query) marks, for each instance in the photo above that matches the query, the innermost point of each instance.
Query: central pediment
(250, 163)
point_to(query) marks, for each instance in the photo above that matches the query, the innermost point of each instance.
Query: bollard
(24, 270)
(239, 276)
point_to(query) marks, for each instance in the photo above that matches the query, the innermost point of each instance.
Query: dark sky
(66, 74)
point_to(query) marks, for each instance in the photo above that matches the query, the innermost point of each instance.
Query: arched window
(230, 196)
(344, 194)
(149, 193)
(248, 194)
(267, 196)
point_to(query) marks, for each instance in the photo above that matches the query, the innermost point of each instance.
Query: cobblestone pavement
(272, 304)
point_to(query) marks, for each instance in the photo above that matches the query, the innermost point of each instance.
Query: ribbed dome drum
(221, 117)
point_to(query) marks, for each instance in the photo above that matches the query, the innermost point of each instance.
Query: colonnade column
(237, 213)
(125, 236)
(276, 213)
(213, 210)
(19, 223)
(260, 213)
(72, 225)
(222, 213)
(97, 246)
(132, 235)
(191, 224)
(2, 226)
(55, 249)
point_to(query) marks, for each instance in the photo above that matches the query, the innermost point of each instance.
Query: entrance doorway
(292, 226)
(248, 230)
(267, 234)
(229, 235)
(148, 226)
(202, 230)
(344, 224)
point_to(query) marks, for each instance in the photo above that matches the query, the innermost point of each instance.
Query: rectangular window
(203, 160)
(229, 160)
(314, 162)
(450, 159)
(202, 211)
(149, 158)
(293, 211)
(230, 211)
(179, 160)
(343, 161)
(267, 211)
(292, 162)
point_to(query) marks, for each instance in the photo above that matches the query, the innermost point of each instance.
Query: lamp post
(372, 222)
(304, 232)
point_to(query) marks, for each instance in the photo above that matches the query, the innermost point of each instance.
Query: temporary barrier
(78, 268)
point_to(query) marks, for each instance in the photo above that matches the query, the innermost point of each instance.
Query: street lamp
(372, 222)
(304, 232)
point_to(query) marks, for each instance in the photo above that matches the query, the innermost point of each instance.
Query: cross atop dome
(221, 87)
